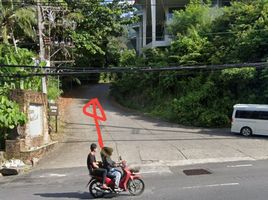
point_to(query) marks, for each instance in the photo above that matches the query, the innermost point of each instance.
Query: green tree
(9, 56)
(15, 20)
(195, 15)
(97, 22)
(240, 34)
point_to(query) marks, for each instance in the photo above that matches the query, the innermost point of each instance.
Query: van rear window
(245, 114)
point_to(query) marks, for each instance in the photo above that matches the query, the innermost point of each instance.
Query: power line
(102, 2)
(260, 65)
(45, 67)
(142, 67)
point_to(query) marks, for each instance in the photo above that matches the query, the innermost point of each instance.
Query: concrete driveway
(145, 141)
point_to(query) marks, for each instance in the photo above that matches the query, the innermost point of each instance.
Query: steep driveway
(145, 141)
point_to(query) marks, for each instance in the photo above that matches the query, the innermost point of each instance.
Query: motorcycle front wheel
(94, 189)
(135, 186)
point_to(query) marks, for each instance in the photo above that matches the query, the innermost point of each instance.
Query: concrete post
(153, 12)
(167, 18)
(41, 44)
(140, 39)
(144, 26)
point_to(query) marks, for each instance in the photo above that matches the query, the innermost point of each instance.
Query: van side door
(263, 122)
(246, 118)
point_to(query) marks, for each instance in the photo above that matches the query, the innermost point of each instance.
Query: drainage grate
(195, 172)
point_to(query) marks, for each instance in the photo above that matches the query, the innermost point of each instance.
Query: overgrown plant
(10, 118)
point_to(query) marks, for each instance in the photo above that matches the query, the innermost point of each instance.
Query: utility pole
(54, 42)
(57, 44)
(41, 44)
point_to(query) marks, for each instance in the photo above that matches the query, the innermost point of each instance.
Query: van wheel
(246, 131)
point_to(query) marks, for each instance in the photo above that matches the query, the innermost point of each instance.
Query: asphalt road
(228, 181)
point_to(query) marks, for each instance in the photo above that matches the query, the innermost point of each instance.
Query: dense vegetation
(98, 24)
(202, 35)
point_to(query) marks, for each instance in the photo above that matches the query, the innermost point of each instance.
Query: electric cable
(140, 69)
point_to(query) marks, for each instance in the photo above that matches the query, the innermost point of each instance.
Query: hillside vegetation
(202, 35)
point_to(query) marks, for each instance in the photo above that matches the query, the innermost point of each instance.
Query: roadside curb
(164, 166)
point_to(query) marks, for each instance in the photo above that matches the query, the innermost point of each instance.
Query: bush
(10, 118)
(128, 58)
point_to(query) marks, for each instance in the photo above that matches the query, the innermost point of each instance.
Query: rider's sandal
(118, 190)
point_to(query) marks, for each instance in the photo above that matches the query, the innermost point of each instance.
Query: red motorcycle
(131, 181)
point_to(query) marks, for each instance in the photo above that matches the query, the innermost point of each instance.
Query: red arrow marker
(95, 104)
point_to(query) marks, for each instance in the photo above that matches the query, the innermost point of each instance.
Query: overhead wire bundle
(78, 71)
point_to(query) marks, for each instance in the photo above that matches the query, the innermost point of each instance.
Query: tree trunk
(14, 40)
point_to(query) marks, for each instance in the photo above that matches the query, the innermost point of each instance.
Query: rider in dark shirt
(93, 165)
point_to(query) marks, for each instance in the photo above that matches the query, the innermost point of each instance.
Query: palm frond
(26, 19)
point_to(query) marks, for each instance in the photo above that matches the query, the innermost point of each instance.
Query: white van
(249, 119)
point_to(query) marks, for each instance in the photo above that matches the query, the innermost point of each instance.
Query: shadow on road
(73, 195)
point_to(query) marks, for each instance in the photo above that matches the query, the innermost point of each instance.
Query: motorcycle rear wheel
(95, 192)
(135, 186)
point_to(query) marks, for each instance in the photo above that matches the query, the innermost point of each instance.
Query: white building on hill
(150, 31)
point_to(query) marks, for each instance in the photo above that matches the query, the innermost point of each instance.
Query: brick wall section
(24, 99)
(26, 156)
(13, 148)
(38, 153)
(26, 147)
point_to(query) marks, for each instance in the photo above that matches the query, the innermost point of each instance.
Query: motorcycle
(131, 181)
